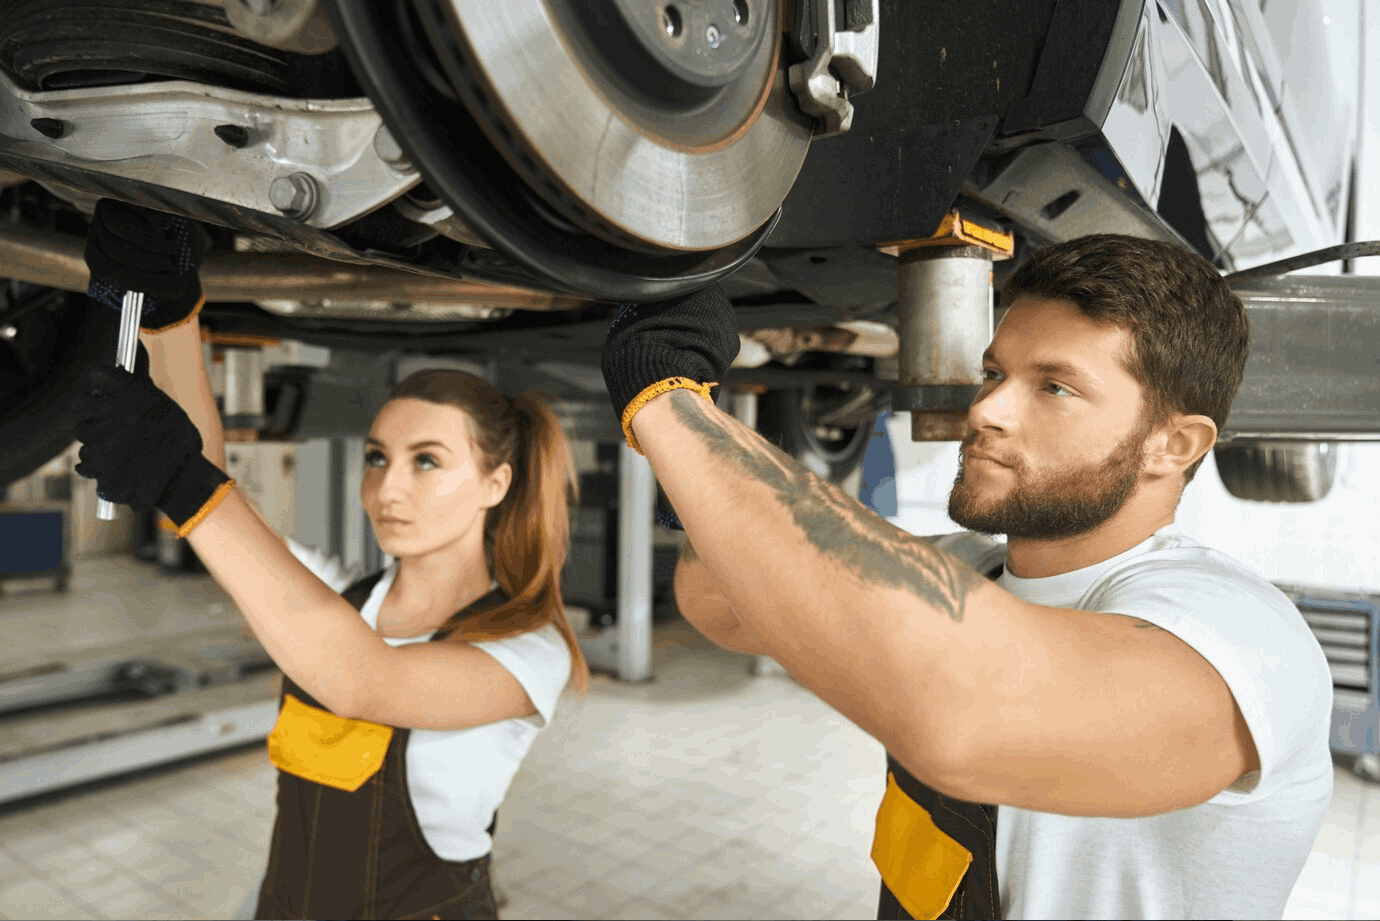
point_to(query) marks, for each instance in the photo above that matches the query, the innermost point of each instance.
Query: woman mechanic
(409, 699)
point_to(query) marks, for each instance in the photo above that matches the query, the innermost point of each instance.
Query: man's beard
(1064, 504)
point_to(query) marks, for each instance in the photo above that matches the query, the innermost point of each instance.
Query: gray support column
(743, 405)
(636, 507)
(356, 536)
(311, 484)
(244, 383)
(335, 498)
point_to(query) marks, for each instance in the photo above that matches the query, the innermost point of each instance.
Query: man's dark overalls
(937, 855)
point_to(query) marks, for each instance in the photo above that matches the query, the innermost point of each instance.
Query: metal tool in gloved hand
(684, 343)
(125, 350)
(145, 264)
(142, 449)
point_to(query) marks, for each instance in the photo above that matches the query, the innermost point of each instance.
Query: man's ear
(1178, 443)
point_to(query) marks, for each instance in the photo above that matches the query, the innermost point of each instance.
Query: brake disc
(656, 126)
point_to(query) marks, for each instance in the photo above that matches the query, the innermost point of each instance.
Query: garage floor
(708, 793)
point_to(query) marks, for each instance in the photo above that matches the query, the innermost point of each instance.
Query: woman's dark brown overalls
(344, 854)
(937, 855)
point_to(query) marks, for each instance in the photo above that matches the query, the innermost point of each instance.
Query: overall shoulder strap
(358, 593)
(492, 600)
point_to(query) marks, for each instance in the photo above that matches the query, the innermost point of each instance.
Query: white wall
(1368, 160)
(1329, 544)
(924, 475)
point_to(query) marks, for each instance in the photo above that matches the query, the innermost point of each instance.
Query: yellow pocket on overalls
(319, 746)
(920, 864)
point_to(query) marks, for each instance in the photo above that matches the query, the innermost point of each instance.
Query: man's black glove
(129, 248)
(686, 342)
(692, 339)
(142, 449)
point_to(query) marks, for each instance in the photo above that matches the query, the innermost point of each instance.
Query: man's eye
(375, 459)
(991, 374)
(1058, 390)
(426, 461)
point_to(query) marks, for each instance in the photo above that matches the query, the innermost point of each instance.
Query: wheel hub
(656, 127)
(704, 43)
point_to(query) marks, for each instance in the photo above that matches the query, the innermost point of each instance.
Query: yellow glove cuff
(656, 390)
(187, 319)
(167, 524)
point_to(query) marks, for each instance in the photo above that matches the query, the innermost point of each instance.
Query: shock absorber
(944, 288)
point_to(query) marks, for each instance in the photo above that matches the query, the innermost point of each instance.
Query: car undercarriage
(453, 178)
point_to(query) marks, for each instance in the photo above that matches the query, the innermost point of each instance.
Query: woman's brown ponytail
(526, 535)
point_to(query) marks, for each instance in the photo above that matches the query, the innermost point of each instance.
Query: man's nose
(994, 408)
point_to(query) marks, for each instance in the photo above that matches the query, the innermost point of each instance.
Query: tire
(1280, 472)
(786, 418)
(34, 422)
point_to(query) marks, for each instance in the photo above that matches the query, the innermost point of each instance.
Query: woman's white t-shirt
(457, 778)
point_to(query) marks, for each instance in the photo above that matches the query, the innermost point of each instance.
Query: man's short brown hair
(1189, 332)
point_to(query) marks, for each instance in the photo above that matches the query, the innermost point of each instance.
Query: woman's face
(424, 487)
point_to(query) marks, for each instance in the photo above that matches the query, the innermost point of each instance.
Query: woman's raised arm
(178, 366)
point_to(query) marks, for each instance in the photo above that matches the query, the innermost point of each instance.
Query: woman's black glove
(129, 248)
(142, 449)
(684, 342)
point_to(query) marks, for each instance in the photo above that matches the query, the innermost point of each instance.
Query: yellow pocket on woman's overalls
(319, 746)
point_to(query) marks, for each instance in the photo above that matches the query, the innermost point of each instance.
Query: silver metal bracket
(228, 145)
(842, 58)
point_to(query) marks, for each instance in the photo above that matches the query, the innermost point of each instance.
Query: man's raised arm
(707, 609)
(862, 613)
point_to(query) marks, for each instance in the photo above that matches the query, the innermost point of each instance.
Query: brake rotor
(655, 126)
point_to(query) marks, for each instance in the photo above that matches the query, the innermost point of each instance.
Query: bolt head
(293, 195)
(714, 37)
(283, 194)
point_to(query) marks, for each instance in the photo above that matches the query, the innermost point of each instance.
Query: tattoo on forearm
(837, 526)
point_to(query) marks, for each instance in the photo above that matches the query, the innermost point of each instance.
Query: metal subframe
(1312, 374)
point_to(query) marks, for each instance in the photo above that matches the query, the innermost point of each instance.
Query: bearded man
(1099, 718)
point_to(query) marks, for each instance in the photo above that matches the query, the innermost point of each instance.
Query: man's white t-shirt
(458, 778)
(1237, 855)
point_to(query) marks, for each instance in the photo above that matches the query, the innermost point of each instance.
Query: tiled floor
(708, 793)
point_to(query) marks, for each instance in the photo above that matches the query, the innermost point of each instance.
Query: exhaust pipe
(45, 258)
